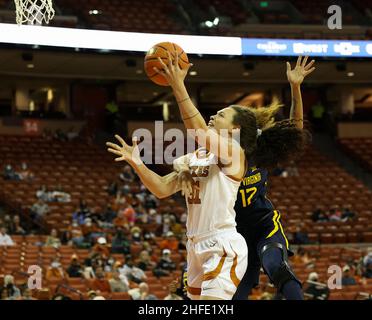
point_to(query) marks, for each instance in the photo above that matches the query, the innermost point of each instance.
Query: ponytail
(280, 143)
(265, 116)
(268, 143)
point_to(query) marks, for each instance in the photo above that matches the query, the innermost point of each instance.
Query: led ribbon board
(320, 48)
(141, 42)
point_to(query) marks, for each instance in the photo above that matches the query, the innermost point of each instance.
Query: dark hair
(279, 142)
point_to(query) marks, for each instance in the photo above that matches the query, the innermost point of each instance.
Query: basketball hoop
(34, 11)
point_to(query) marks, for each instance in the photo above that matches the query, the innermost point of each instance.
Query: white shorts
(216, 264)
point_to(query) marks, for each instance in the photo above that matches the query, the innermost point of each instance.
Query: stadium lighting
(209, 24)
(216, 21)
(94, 12)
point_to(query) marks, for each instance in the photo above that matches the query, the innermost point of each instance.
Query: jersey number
(247, 196)
(194, 199)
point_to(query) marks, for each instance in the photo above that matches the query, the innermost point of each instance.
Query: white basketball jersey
(211, 207)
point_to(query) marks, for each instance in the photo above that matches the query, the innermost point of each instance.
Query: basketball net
(34, 11)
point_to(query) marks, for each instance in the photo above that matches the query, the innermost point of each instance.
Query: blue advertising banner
(320, 48)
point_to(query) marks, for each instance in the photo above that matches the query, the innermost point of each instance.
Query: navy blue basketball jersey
(251, 206)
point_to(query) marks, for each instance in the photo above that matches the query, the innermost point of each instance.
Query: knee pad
(284, 273)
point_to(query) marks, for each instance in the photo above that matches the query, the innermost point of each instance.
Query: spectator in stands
(315, 215)
(100, 282)
(347, 278)
(38, 210)
(292, 170)
(303, 257)
(319, 215)
(9, 173)
(131, 272)
(367, 273)
(7, 223)
(26, 295)
(16, 226)
(9, 291)
(120, 201)
(130, 215)
(142, 293)
(300, 236)
(141, 196)
(335, 214)
(109, 214)
(136, 235)
(151, 202)
(102, 248)
(53, 240)
(145, 262)
(75, 270)
(367, 259)
(112, 188)
(25, 173)
(170, 242)
(55, 270)
(315, 290)
(5, 239)
(172, 295)
(59, 195)
(149, 236)
(147, 247)
(166, 227)
(117, 283)
(90, 231)
(127, 176)
(76, 234)
(43, 193)
(120, 243)
(348, 214)
(266, 296)
(121, 221)
(165, 264)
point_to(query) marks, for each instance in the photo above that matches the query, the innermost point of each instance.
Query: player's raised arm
(191, 116)
(159, 186)
(175, 77)
(295, 78)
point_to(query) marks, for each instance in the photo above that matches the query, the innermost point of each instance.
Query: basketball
(160, 51)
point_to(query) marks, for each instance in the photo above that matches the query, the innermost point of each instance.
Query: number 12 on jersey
(247, 195)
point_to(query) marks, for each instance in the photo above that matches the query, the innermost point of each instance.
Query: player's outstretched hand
(172, 72)
(124, 151)
(301, 70)
(186, 183)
